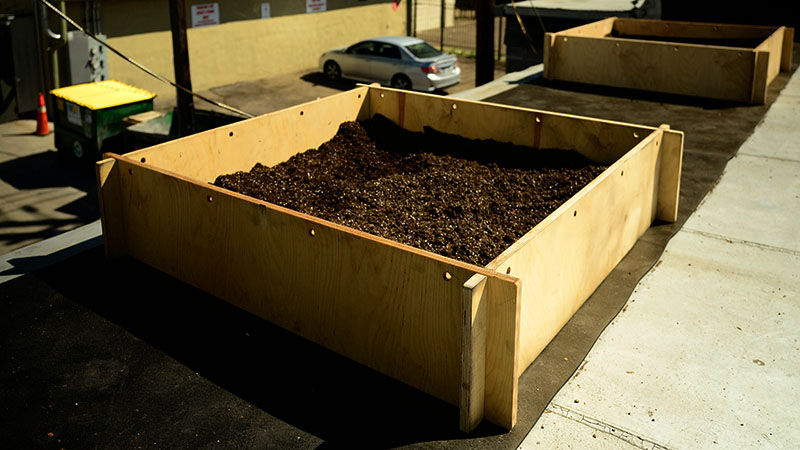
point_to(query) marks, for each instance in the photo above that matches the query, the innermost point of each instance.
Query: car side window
(362, 48)
(389, 51)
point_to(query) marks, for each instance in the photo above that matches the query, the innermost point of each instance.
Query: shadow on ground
(47, 170)
(633, 94)
(300, 384)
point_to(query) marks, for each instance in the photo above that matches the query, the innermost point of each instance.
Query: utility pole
(484, 41)
(180, 55)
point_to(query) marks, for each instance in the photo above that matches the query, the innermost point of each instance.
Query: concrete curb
(50, 251)
(506, 83)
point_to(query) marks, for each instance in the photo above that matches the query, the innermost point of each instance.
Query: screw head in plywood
(312, 233)
(447, 276)
(210, 199)
(455, 106)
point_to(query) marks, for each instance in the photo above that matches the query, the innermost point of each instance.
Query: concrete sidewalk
(706, 351)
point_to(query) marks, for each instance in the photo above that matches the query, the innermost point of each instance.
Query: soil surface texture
(461, 198)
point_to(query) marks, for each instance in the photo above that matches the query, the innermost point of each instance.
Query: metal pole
(180, 54)
(441, 28)
(499, 38)
(484, 41)
(409, 18)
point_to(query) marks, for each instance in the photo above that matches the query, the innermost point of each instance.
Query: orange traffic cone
(42, 127)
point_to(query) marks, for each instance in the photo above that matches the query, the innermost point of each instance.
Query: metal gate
(450, 26)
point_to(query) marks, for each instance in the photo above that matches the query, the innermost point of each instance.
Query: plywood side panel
(470, 119)
(773, 46)
(387, 306)
(268, 139)
(564, 258)
(676, 29)
(111, 214)
(683, 69)
(601, 140)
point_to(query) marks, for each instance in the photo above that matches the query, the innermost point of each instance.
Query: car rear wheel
(333, 71)
(401, 82)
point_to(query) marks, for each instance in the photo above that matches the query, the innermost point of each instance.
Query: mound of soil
(461, 198)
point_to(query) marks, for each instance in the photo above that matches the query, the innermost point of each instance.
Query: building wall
(243, 46)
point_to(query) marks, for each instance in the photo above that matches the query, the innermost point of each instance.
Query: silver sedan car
(401, 62)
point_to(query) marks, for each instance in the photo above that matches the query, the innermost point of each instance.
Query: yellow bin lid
(102, 94)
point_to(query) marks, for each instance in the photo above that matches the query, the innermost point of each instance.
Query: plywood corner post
(760, 77)
(502, 351)
(669, 176)
(786, 51)
(490, 308)
(473, 352)
(110, 199)
(549, 39)
(366, 112)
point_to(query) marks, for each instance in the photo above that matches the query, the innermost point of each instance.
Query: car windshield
(423, 50)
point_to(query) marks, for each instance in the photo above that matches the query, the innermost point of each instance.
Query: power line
(143, 68)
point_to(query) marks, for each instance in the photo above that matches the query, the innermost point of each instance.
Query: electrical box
(88, 59)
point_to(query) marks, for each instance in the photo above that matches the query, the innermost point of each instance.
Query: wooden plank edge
(110, 202)
(786, 51)
(473, 352)
(549, 38)
(502, 352)
(670, 163)
(316, 221)
(543, 113)
(567, 206)
(588, 30)
(758, 94)
(711, 25)
(363, 90)
(679, 45)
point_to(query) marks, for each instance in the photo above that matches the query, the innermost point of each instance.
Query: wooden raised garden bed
(458, 331)
(718, 61)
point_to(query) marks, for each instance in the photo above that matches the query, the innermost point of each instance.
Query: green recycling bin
(88, 116)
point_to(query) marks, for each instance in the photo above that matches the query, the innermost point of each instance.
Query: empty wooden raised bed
(460, 332)
(718, 61)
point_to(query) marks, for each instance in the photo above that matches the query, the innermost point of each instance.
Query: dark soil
(740, 43)
(460, 198)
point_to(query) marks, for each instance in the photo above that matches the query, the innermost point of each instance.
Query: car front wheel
(332, 71)
(401, 82)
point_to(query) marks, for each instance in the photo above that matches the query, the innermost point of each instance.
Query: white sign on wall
(205, 14)
(313, 6)
(265, 13)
